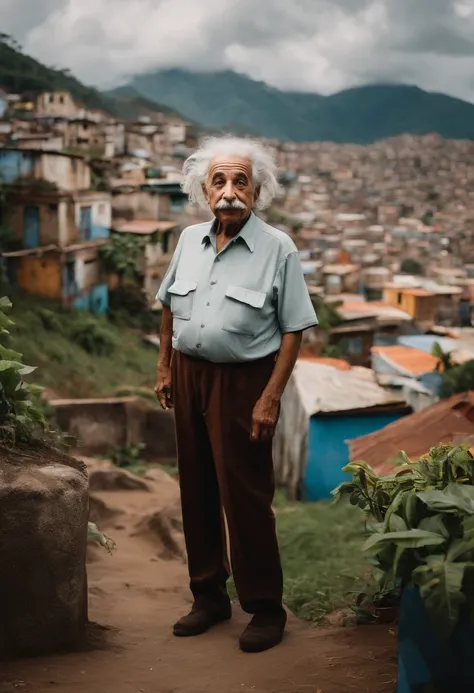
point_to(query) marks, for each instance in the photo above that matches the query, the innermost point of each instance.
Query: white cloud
(317, 45)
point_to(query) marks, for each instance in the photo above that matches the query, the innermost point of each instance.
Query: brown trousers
(221, 468)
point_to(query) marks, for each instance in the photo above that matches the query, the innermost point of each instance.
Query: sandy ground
(139, 591)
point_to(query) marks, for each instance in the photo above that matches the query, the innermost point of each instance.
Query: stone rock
(99, 512)
(43, 538)
(115, 480)
(165, 530)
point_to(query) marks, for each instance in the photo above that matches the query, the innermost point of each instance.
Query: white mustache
(235, 204)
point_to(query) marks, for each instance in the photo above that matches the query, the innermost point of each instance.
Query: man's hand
(264, 418)
(163, 388)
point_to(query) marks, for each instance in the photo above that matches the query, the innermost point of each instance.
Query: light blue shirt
(235, 305)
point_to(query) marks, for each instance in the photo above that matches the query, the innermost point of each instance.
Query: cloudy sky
(311, 45)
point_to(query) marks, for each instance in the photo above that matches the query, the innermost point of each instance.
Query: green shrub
(93, 336)
(421, 524)
(50, 320)
(19, 415)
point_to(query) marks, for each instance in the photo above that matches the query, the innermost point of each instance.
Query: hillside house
(160, 240)
(419, 303)
(85, 135)
(162, 200)
(341, 278)
(56, 104)
(57, 235)
(64, 171)
(323, 406)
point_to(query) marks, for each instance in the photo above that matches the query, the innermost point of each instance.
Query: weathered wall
(139, 204)
(66, 172)
(47, 217)
(40, 276)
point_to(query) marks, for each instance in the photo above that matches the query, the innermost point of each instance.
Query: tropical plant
(127, 455)
(19, 415)
(421, 526)
(123, 255)
(458, 379)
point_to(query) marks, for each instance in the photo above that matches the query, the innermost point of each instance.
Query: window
(353, 346)
(51, 98)
(61, 99)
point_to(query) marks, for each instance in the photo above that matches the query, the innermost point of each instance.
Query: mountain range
(227, 100)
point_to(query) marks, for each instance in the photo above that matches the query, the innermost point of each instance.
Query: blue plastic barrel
(425, 661)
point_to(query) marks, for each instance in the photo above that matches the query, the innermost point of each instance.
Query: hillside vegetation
(79, 355)
(20, 73)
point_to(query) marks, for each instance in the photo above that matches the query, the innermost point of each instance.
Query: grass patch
(79, 355)
(323, 564)
(322, 558)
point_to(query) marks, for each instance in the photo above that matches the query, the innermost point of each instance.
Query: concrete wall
(101, 210)
(140, 204)
(104, 424)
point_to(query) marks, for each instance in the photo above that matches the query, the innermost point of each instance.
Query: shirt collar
(246, 233)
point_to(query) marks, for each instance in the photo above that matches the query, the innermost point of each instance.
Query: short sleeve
(170, 276)
(294, 306)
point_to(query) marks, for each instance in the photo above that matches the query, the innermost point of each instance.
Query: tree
(410, 266)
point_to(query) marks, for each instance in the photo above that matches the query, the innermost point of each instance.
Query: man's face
(229, 189)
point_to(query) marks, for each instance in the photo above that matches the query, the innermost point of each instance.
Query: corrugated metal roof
(324, 388)
(406, 360)
(416, 434)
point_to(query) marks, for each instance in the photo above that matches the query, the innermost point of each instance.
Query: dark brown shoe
(204, 614)
(264, 631)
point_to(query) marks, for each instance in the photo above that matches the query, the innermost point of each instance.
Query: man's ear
(204, 192)
(256, 194)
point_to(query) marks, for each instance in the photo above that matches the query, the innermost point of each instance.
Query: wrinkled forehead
(230, 166)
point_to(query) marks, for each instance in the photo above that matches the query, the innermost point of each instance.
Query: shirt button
(208, 304)
(218, 259)
(203, 325)
(198, 346)
(214, 281)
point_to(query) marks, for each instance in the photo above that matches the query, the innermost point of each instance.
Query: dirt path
(142, 589)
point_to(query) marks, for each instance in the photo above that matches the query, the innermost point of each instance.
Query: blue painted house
(58, 225)
(325, 405)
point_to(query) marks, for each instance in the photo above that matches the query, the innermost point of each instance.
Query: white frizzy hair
(264, 170)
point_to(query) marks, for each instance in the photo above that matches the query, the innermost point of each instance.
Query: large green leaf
(440, 582)
(17, 366)
(5, 303)
(396, 523)
(455, 498)
(10, 354)
(435, 524)
(409, 539)
(10, 379)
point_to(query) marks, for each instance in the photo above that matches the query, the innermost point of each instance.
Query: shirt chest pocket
(243, 310)
(182, 298)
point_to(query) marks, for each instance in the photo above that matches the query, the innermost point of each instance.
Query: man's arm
(265, 413)
(295, 314)
(163, 387)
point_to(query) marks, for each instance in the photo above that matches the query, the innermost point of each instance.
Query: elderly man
(235, 305)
